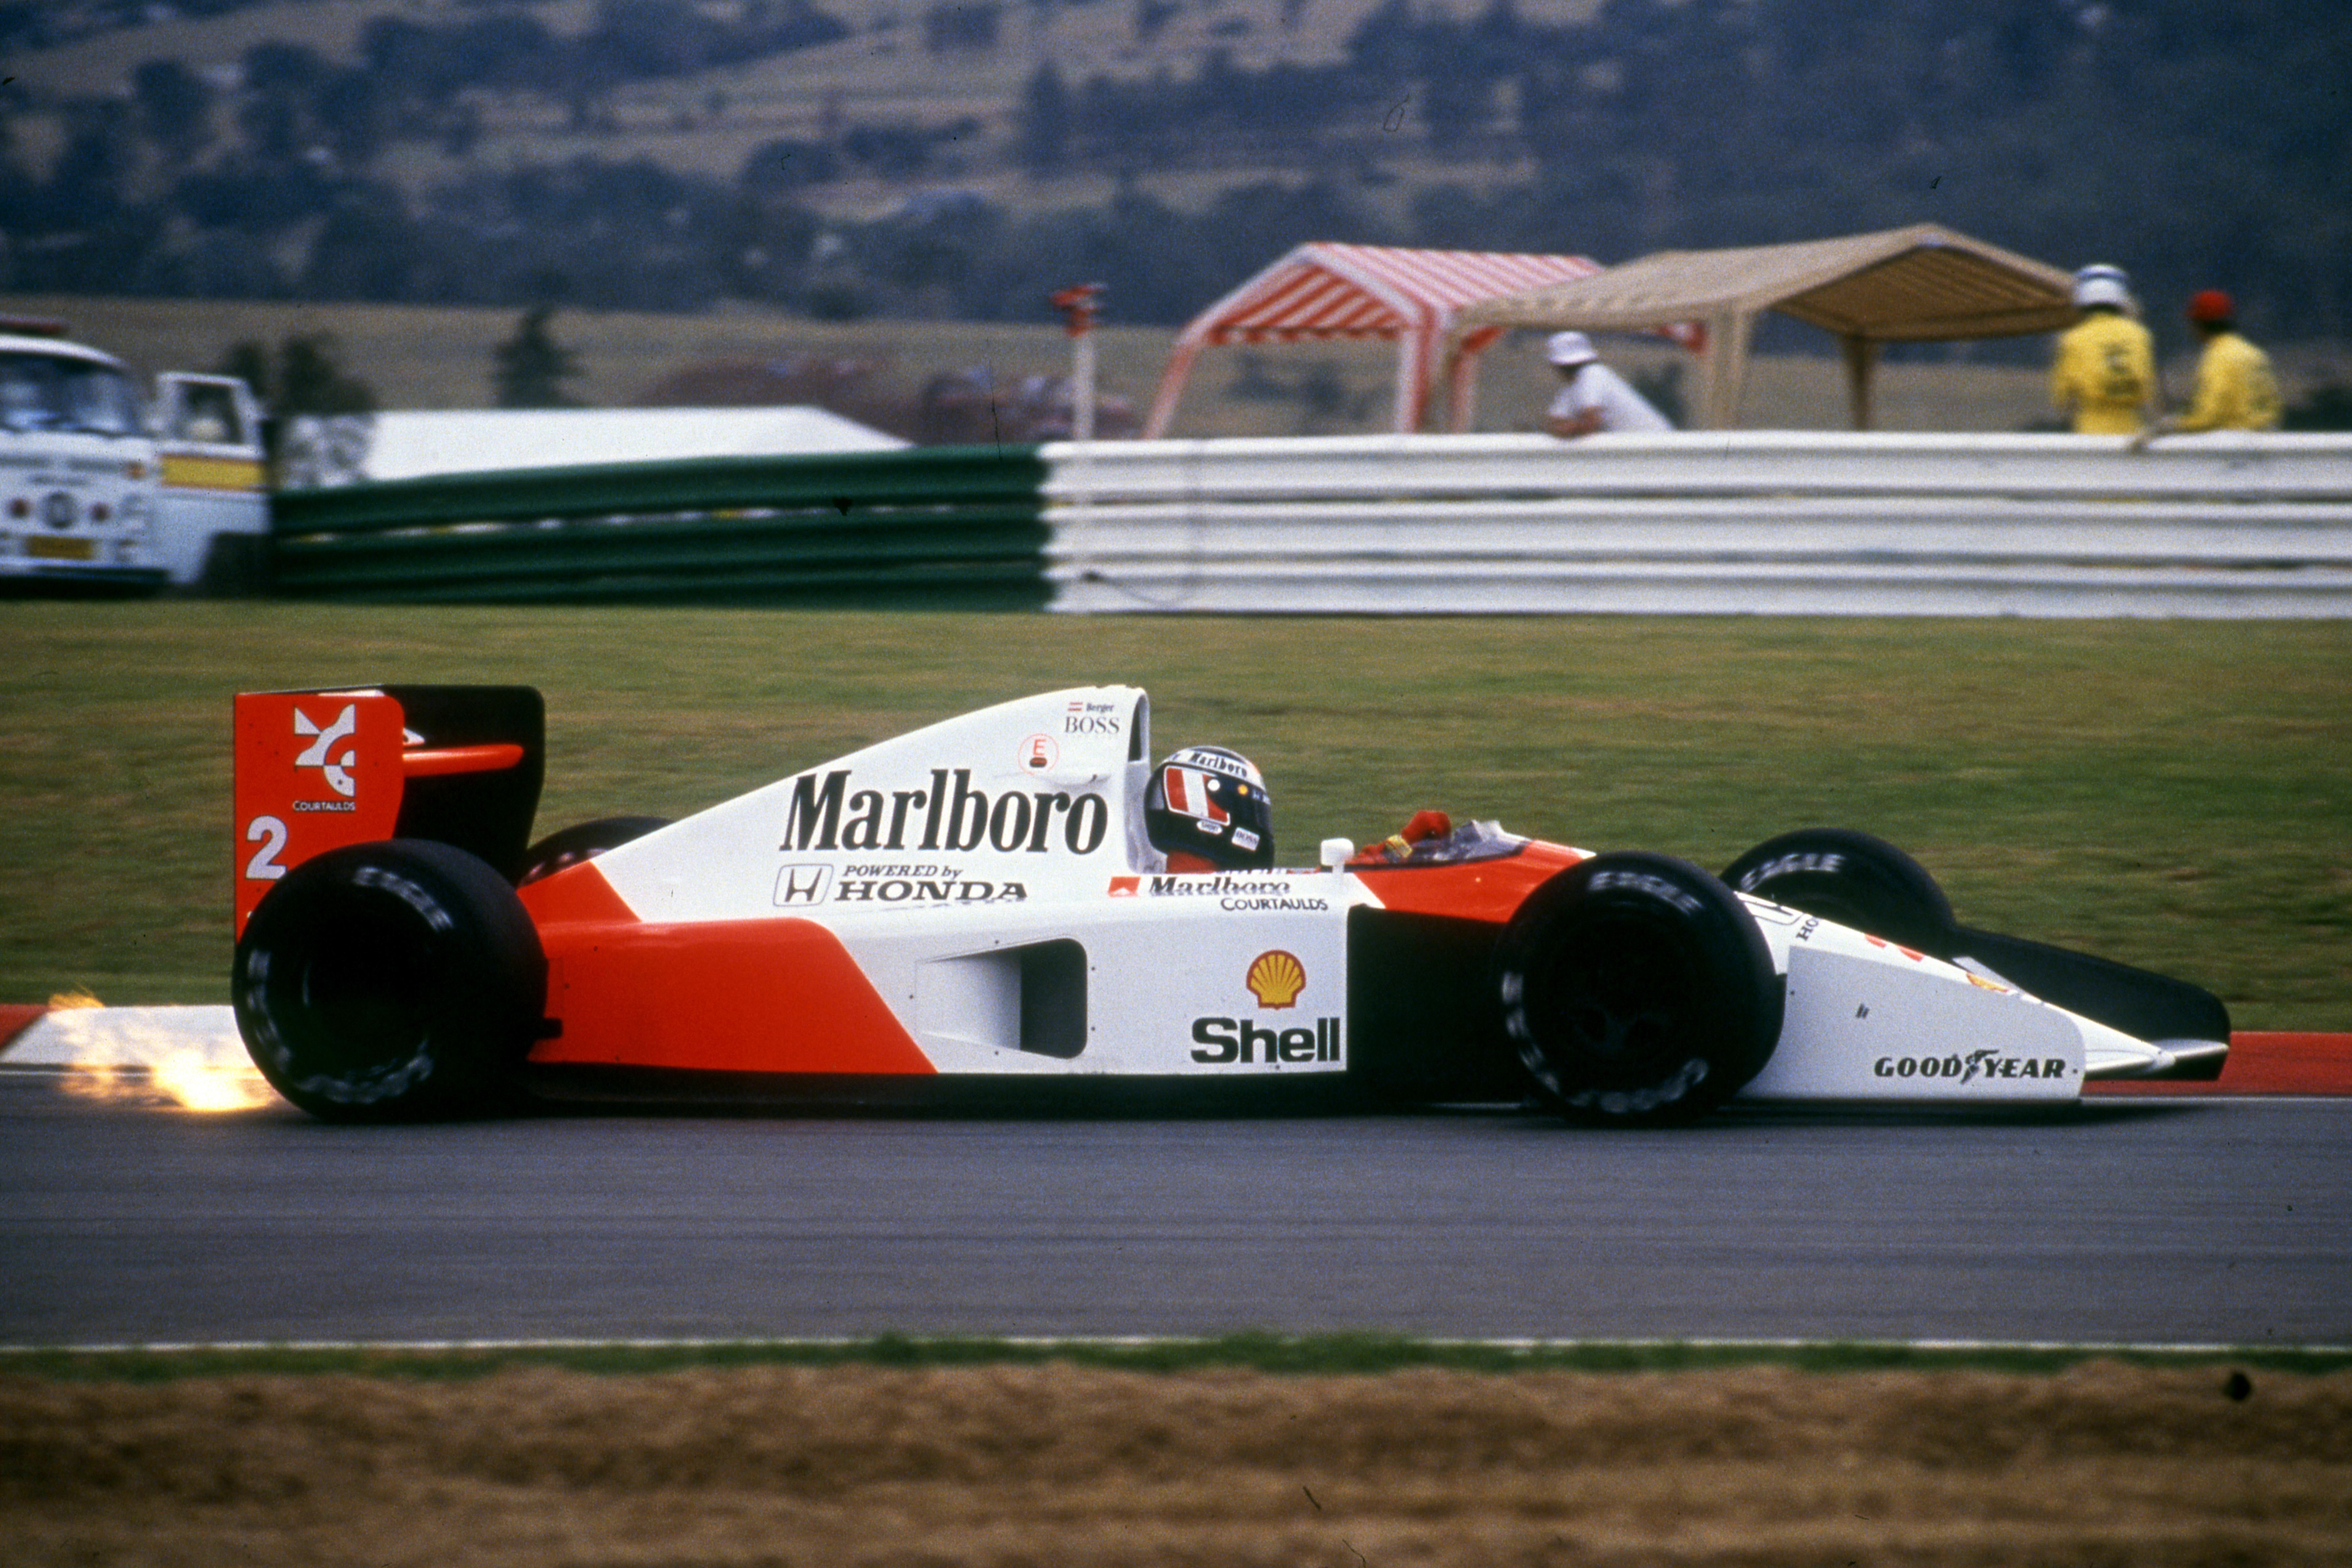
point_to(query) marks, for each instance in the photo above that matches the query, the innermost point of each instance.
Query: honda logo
(803, 884)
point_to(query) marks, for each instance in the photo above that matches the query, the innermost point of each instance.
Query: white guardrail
(1764, 522)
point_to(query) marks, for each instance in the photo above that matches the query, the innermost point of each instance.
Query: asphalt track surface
(2125, 1221)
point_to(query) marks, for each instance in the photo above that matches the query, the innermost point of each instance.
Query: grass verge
(2167, 794)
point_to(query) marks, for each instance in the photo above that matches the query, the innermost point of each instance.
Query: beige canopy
(1919, 284)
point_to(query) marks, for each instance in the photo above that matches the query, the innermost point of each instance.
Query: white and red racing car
(977, 906)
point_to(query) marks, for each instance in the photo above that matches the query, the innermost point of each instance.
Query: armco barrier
(1719, 522)
(933, 528)
(1737, 523)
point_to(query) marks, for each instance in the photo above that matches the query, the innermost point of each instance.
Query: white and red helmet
(1210, 801)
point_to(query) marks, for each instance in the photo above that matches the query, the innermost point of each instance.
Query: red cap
(1077, 306)
(2211, 305)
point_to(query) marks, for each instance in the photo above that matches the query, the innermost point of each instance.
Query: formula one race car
(981, 904)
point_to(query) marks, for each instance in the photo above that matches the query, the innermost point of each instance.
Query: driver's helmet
(1210, 803)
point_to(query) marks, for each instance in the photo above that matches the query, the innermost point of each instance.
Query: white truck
(101, 493)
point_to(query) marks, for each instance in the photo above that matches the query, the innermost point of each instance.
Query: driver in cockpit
(1206, 809)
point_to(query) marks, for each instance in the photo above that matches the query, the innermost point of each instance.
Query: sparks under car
(976, 907)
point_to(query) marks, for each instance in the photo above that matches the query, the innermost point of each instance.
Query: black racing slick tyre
(1853, 879)
(583, 841)
(1867, 883)
(1637, 990)
(391, 982)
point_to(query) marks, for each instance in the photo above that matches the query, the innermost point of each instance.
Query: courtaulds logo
(320, 753)
(1275, 978)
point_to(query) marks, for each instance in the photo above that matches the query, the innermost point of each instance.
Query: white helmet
(2102, 284)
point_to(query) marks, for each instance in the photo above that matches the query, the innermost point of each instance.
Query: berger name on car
(948, 815)
(1091, 718)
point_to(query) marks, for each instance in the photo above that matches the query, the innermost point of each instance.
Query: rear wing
(319, 769)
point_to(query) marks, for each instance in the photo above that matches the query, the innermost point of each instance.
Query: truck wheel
(1637, 990)
(394, 981)
(1853, 878)
(583, 841)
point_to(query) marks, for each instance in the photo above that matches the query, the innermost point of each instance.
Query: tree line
(2200, 146)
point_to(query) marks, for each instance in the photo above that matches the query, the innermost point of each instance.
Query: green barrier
(936, 527)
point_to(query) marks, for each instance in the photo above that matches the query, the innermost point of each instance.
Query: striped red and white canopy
(1331, 290)
(1325, 289)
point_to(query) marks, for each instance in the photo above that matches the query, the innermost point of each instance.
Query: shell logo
(1275, 978)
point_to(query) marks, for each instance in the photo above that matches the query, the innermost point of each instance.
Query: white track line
(1149, 1342)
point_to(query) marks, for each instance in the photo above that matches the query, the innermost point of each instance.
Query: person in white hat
(2104, 374)
(1592, 397)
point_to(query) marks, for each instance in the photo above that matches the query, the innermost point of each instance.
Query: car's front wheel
(393, 981)
(1854, 879)
(1637, 990)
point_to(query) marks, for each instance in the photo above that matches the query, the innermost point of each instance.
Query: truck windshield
(51, 391)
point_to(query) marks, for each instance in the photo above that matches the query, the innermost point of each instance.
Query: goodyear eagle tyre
(583, 841)
(1637, 990)
(388, 982)
(1853, 879)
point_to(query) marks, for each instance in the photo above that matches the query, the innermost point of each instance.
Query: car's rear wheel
(1852, 878)
(393, 981)
(1637, 990)
(583, 841)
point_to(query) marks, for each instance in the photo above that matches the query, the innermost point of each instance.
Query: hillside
(708, 122)
(961, 160)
